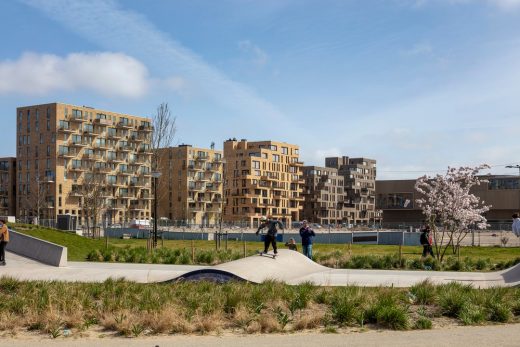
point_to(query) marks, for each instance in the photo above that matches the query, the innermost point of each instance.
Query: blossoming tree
(449, 208)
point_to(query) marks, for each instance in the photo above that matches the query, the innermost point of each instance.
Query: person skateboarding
(272, 231)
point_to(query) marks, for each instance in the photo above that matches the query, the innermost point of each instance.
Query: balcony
(124, 125)
(146, 128)
(102, 122)
(125, 172)
(75, 193)
(68, 154)
(78, 168)
(296, 163)
(116, 159)
(103, 169)
(136, 139)
(139, 184)
(101, 145)
(77, 118)
(146, 196)
(114, 135)
(66, 129)
(79, 143)
(125, 148)
(145, 150)
(92, 157)
(201, 157)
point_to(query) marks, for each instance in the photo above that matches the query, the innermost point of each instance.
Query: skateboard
(268, 255)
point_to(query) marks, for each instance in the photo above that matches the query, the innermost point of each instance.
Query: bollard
(245, 253)
(192, 252)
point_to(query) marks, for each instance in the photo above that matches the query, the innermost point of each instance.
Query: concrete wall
(39, 250)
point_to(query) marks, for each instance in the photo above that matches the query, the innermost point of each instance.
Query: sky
(418, 85)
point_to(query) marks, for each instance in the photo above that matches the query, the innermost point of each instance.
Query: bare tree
(92, 190)
(163, 134)
(35, 202)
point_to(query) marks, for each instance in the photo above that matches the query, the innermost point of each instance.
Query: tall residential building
(360, 186)
(7, 186)
(62, 149)
(324, 195)
(262, 179)
(190, 187)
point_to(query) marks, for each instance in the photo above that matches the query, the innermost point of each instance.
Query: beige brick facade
(324, 195)
(360, 185)
(59, 145)
(262, 179)
(191, 185)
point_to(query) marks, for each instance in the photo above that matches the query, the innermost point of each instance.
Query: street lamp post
(156, 175)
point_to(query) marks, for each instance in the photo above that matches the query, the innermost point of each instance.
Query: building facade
(360, 185)
(7, 186)
(66, 154)
(262, 178)
(397, 200)
(323, 192)
(191, 185)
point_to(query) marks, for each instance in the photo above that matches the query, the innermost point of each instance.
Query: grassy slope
(79, 247)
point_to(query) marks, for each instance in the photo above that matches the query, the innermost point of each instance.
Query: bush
(424, 293)
(453, 297)
(423, 323)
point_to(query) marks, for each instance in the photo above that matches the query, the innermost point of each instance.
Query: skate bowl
(294, 268)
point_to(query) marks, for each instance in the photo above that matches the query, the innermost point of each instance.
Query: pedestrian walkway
(289, 267)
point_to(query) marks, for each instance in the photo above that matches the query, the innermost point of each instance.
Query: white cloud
(258, 56)
(107, 24)
(110, 74)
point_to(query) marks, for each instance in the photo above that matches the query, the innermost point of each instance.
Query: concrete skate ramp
(294, 268)
(289, 267)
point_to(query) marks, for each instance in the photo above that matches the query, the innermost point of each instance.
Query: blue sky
(417, 85)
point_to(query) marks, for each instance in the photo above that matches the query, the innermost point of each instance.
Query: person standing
(307, 234)
(516, 225)
(426, 242)
(4, 239)
(272, 231)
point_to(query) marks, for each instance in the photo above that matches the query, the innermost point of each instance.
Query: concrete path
(500, 335)
(27, 269)
(289, 267)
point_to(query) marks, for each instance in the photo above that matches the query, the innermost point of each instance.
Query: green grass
(133, 309)
(481, 258)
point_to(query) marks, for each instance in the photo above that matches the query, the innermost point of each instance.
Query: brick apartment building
(7, 186)
(324, 195)
(191, 185)
(360, 188)
(61, 147)
(262, 179)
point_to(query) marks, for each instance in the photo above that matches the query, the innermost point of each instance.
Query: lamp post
(155, 176)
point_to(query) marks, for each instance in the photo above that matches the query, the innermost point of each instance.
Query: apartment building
(360, 184)
(65, 151)
(262, 179)
(323, 192)
(191, 185)
(7, 186)
(398, 200)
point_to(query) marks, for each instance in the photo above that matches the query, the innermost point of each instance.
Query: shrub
(424, 293)
(423, 323)
(453, 297)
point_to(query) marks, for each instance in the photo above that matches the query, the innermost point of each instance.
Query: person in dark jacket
(307, 235)
(426, 242)
(292, 245)
(272, 231)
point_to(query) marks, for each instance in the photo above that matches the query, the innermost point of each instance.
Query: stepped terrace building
(191, 185)
(7, 187)
(324, 195)
(66, 152)
(360, 188)
(262, 179)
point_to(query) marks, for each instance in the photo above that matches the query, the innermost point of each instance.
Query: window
(256, 165)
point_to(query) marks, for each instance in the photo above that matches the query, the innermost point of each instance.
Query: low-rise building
(398, 200)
